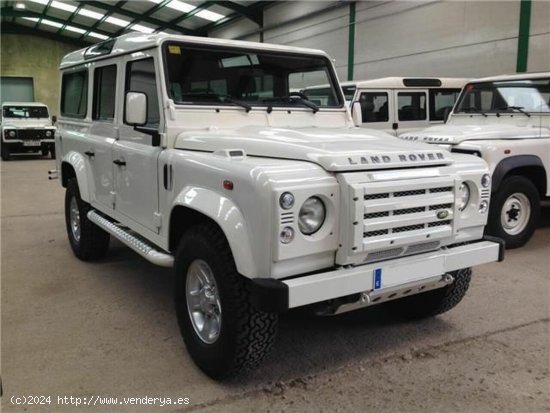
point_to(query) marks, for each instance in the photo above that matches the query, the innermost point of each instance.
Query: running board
(138, 244)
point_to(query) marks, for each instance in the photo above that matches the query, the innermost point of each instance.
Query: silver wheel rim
(74, 215)
(203, 301)
(515, 213)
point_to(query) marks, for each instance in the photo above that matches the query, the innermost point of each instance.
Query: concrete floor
(108, 329)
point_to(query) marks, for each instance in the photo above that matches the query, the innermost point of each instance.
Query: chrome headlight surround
(11, 134)
(312, 215)
(48, 134)
(463, 196)
(486, 180)
(286, 200)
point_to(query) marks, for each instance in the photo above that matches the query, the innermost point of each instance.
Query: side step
(135, 242)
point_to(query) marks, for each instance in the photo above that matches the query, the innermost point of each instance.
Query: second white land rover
(506, 121)
(196, 154)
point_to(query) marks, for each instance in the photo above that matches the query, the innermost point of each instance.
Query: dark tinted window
(74, 94)
(140, 77)
(25, 112)
(441, 101)
(411, 106)
(374, 106)
(349, 92)
(104, 93)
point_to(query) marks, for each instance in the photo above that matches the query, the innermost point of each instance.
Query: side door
(376, 109)
(103, 133)
(411, 110)
(135, 158)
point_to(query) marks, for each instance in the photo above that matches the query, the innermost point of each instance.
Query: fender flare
(511, 163)
(78, 163)
(225, 213)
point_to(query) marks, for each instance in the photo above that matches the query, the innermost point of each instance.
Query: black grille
(408, 228)
(440, 206)
(409, 211)
(439, 223)
(441, 189)
(31, 134)
(375, 233)
(409, 193)
(377, 215)
(376, 196)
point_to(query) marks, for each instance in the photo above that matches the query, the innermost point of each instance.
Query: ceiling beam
(256, 7)
(250, 12)
(70, 19)
(148, 13)
(14, 28)
(44, 11)
(185, 16)
(100, 21)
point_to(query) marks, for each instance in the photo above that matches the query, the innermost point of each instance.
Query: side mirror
(136, 108)
(54, 119)
(356, 114)
(446, 114)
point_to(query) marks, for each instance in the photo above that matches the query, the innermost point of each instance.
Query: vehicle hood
(454, 134)
(27, 123)
(333, 149)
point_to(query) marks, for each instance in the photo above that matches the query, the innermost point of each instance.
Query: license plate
(31, 143)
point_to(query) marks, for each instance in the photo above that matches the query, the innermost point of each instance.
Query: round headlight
(286, 200)
(11, 134)
(312, 215)
(485, 180)
(48, 133)
(463, 196)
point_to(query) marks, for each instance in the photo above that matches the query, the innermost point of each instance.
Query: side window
(140, 77)
(374, 107)
(411, 106)
(104, 93)
(74, 94)
(441, 101)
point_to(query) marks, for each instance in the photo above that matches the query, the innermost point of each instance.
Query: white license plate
(31, 143)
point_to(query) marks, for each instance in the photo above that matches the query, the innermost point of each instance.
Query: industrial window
(411, 106)
(374, 107)
(104, 93)
(140, 77)
(74, 94)
(441, 101)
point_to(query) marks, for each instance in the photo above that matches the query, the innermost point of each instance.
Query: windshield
(23, 112)
(506, 96)
(207, 75)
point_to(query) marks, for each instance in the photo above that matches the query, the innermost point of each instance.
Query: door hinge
(157, 219)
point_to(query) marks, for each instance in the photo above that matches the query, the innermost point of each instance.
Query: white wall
(409, 38)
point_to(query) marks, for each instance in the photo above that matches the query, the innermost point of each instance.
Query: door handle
(119, 162)
(90, 154)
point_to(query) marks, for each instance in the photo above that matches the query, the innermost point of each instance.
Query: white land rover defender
(194, 153)
(26, 127)
(506, 121)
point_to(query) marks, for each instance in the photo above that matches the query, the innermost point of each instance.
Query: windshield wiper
(473, 109)
(518, 108)
(214, 97)
(292, 98)
(238, 102)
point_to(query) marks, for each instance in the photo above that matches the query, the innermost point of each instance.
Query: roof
(23, 104)
(520, 76)
(133, 42)
(397, 82)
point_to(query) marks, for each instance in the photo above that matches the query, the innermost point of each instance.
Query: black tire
(434, 302)
(44, 151)
(52, 151)
(5, 153)
(528, 192)
(93, 242)
(246, 334)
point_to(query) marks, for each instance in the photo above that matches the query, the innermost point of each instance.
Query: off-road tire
(509, 186)
(94, 242)
(52, 152)
(434, 302)
(5, 153)
(44, 151)
(246, 334)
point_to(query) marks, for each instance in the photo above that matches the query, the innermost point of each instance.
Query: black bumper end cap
(501, 243)
(269, 295)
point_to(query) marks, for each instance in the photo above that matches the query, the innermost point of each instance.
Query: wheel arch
(73, 165)
(528, 166)
(199, 205)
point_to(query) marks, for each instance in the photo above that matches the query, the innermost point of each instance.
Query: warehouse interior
(102, 335)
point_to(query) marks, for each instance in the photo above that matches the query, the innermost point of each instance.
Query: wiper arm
(474, 109)
(237, 102)
(518, 108)
(305, 102)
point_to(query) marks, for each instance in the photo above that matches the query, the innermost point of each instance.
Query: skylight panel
(210, 15)
(98, 35)
(91, 13)
(32, 19)
(63, 6)
(117, 22)
(180, 6)
(142, 29)
(44, 2)
(75, 29)
(51, 23)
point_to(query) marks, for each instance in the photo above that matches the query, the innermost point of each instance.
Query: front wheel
(223, 332)
(514, 212)
(5, 153)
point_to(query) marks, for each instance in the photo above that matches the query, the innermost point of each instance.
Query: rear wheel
(88, 241)
(223, 332)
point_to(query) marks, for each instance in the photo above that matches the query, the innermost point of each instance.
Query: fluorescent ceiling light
(180, 6)
(44, 2)
(20, 6)
(210, 15)
(90, 13)
(51, 23)
(32, 19)
(117, 22)
(155, 1)
(63, 6)
(98, 35)
(75, 29)
(143, 29)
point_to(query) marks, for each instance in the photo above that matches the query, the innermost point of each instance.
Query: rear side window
(104, 93)
(140, 77)
(441, 101)
(374, 107)
(74, 94)
(411, 106)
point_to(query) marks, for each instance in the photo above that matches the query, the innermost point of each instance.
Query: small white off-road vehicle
(196, 153)
(26, 127)
(506, 121)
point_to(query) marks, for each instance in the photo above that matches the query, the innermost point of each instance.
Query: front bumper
(373, 279)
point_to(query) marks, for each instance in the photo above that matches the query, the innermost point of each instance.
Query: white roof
(23, 104)
(520, 76)
(397, 82)
(132, 42)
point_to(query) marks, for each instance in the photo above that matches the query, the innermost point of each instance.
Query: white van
(399, 104)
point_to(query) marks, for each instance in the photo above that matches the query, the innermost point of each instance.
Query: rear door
(411, 110)
(376, 109)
